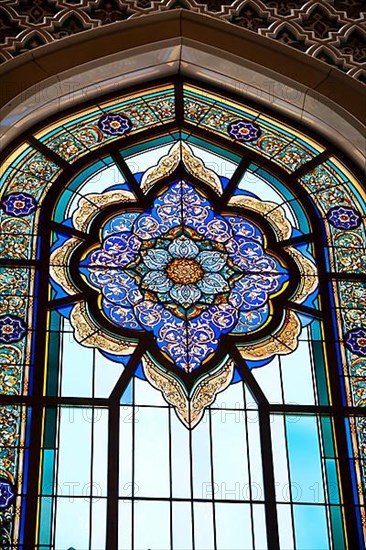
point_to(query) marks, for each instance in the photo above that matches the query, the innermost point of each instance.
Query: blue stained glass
(304, 459)
(127, 397)
(316, 536)
(184, 273)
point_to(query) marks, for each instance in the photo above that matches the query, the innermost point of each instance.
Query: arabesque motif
(185, 274)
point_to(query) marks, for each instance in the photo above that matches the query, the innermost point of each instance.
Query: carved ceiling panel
(333, 31)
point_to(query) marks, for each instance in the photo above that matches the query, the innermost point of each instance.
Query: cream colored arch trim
(84, 66)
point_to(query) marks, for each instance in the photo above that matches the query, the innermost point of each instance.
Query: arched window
(183, 329)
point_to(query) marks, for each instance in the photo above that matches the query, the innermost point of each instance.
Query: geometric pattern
(333, 31)
(188, 276)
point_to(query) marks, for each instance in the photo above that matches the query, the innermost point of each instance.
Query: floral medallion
(343, 218)
(12, 329)
(114, 124)
(243, 130)
(184, 273)
(355, 341)
(6, 494)
(19, 204)
(190, 277)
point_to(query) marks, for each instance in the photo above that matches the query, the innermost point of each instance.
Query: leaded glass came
(182, 329)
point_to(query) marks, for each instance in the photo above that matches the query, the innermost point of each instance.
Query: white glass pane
(279, 457)
(145, 394)
(74, 455)
(152, 525)
(99, 519)
(255, 456)
(77, 366)
(263, 190)
(142, 161)
(269, 380)
(182, 526)
(203, 526)
(97, 183)
(181, 471)
(260, 532)
(285, 526)
(231, 476)
(100, 452)
(231, 398)
(249, 400)
(233, 527)
(297, 374)
(219, 165)
(106, 375)
(124, 525)
(72, 523)
(125, 451)
(152, 452)
(202, 486)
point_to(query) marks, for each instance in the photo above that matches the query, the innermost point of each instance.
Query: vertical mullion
(54, 489)
(92, 456)
(312, 366)
(91, 479)
(284, 419)
(191, 478)
(113, 447)
(268, 477)
(170, 475)
(57, 428)
(209, 412)
(324, 479)
(335, 380)
(248, 462)
(133, 467)
(113, 475)
(323, 457)
(266, 449)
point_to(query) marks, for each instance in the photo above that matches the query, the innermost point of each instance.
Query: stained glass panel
(205, 294)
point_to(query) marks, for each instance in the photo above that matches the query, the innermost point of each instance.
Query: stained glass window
(182, 331)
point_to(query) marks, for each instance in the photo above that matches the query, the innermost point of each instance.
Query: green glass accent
(321, 380)
(54, 322)
(50, 428)
(48, 469)
(337, 527)
(59, 215)
(53, 363)
(333, 487)
(45, 521)
(326, 424)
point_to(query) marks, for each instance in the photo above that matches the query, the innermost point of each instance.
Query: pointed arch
(53, 160)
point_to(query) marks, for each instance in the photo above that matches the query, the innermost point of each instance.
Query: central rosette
(184, 273)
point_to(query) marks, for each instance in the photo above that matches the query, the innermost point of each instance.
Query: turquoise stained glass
(188, 275)
(155, 242)
(185, 274)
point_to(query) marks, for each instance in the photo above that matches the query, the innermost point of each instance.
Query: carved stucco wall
(333, 31)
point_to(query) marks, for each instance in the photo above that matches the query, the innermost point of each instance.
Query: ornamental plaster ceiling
(333, 31)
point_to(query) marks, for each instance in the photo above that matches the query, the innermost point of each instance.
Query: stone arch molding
(82, 67)
(28, 25)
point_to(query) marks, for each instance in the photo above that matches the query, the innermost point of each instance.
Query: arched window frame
(36, 399)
